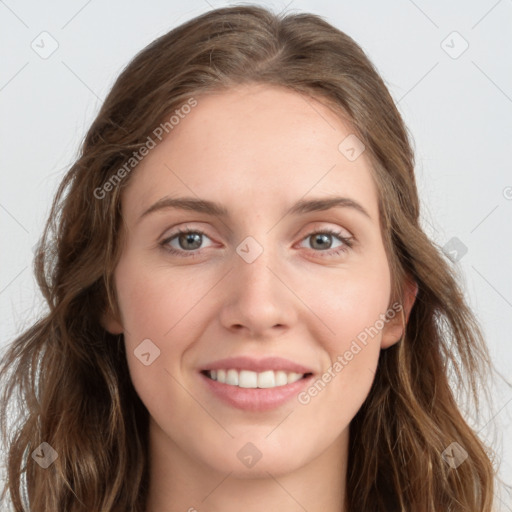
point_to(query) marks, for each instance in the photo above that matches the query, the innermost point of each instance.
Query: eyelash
(348, 243)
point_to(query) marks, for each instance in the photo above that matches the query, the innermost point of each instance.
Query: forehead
(253, 145)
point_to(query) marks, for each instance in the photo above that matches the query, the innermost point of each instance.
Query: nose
(258, 302)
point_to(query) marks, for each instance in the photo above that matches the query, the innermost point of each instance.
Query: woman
(257, 368)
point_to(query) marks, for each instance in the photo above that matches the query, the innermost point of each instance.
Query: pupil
(189, 237)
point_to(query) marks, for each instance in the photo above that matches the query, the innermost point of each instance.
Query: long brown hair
(71, 375)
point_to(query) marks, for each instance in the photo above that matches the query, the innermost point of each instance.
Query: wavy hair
(70, 375)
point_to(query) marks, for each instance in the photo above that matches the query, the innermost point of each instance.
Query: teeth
(232, 378)
(266, 379)
(249, 379)
(281, 378)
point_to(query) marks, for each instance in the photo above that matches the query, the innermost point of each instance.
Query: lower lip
(256, 399)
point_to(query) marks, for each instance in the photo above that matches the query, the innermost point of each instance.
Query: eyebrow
(212, 208)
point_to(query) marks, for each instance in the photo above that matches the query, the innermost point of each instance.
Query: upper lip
(257, 365)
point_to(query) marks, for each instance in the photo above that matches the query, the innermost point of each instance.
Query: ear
(110, 323)
(393, 329)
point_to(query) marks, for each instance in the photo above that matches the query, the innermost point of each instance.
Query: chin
(257, 459)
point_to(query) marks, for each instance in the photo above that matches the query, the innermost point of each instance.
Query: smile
(253, 398)
(250, 379)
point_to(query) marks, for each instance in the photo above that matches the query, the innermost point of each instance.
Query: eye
(188, 240)
(321, 240)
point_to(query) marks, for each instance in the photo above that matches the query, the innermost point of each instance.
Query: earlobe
(394, 328)
(111, 324)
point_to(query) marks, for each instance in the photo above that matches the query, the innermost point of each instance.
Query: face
(281, 293)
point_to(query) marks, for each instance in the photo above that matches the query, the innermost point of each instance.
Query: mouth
(253, 391)
(248, 379)
(255, 384)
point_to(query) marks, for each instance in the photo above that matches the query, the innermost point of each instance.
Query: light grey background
(457, 105)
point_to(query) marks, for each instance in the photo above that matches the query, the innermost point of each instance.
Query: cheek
(351, 306)
(352, 350)
(337, 395)
(350, 301)
(168, 308)
(154, 302)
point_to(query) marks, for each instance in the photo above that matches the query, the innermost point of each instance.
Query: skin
(255, 149)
